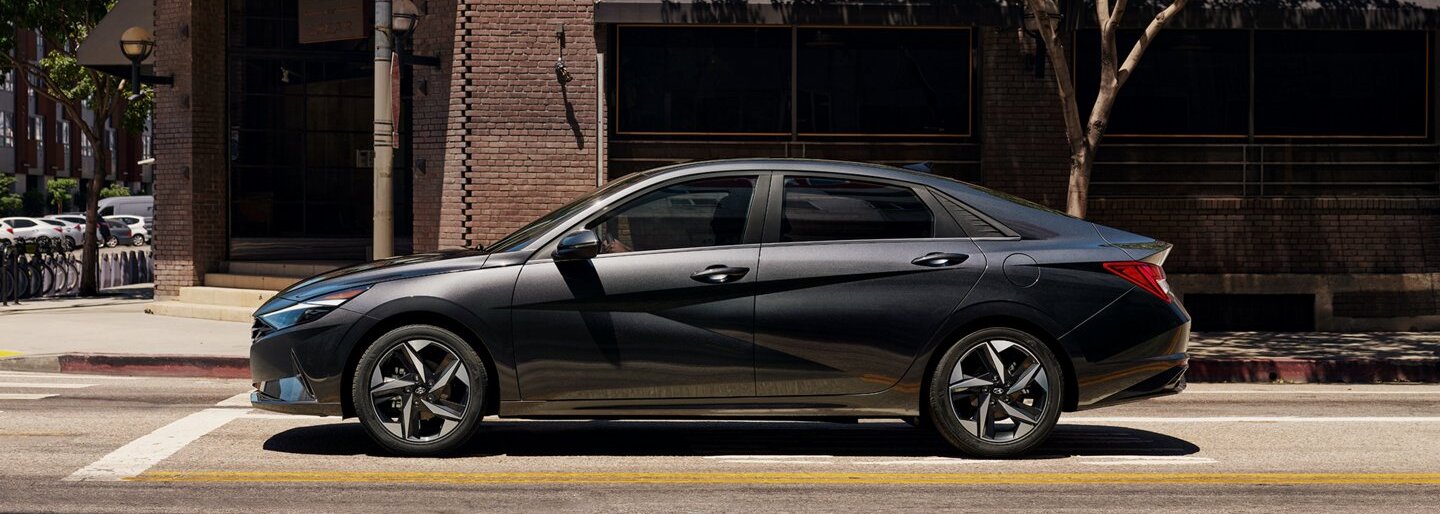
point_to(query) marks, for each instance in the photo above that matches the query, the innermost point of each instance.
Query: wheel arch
(400, 318)
(1004, 315)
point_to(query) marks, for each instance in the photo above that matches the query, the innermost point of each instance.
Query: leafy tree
(114, 190)
(10, 203)
(62, 25)
(62, 190)
(1083, 138)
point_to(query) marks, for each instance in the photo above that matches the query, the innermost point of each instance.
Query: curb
(202, 366)
(1313, 371)
(1282, 370)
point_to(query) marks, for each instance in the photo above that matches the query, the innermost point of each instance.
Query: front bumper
(300, 370)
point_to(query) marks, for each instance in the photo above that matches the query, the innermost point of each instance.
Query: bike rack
(37, 268)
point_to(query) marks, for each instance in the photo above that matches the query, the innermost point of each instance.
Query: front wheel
(138, 241)
(996, 393)
(420, 390)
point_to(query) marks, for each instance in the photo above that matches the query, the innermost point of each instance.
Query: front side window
(835, 209)
(696, 214)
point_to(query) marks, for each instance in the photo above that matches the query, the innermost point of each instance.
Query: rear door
(856, 276)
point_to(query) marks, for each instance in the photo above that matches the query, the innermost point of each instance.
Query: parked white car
(29, 228)
(72, 233)
(137, 227)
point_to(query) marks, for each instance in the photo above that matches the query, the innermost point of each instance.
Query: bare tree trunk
(90, 256)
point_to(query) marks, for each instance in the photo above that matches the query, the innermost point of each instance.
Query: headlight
(310, 310)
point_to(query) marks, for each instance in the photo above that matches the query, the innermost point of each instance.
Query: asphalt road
(100, 444)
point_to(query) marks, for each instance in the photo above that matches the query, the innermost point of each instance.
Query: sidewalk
(115, 335)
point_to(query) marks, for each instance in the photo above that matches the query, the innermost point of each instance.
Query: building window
(703, 80)
(683, 81)
(62, 129)
(1305, 83)
(1198, 79)
(1341, 83)
(7, 129)
(37, 134)
(883, 82)
(7, 80)
(86, 151)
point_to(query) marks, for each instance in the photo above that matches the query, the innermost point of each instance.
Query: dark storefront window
(883, 82)
(737, 81)
(1305, 83)
(711, 80)
(1326, 83)
(300, 139)
(1191, 82)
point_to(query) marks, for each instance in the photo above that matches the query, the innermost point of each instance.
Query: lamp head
(137, 43)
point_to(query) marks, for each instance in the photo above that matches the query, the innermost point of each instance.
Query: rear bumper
(1132, 350)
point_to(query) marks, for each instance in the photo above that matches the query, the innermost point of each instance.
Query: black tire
(475, 393)
(1045, 389)
(138, 241)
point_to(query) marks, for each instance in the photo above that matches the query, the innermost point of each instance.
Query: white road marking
(736, 457)
(139, 455)
(1253, 419)
(23, 396)
(43, 385)
(1143, 460)
(292, 417)
(926, 461)
(239, 400)
(28, 374)
(1304, 391)
(775, 461)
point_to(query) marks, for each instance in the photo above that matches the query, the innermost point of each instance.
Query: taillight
(1144, 275)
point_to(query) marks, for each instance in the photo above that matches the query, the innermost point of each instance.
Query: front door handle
(719, 274)
(939, 259)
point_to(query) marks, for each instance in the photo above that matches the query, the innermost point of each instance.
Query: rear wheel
(420, 390)
(996, 393)
(139, 240)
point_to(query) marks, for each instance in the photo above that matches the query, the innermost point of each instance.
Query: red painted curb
(1316, 371)
(207, 366)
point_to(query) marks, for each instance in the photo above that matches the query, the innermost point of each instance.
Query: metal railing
(41, 268)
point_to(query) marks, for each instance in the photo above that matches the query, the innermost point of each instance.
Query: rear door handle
(719, 274)
(939, 259)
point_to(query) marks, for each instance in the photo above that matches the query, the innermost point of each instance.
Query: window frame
(613, 86)
(754, 218)
(942, 227)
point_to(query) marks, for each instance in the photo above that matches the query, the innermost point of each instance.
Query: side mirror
(578, 245)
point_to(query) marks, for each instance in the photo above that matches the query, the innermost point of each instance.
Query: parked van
(142, 206)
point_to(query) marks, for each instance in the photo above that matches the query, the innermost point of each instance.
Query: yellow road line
(792, 478)
(8, 353)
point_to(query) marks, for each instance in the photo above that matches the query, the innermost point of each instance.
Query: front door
(859, 278)
(665, 311)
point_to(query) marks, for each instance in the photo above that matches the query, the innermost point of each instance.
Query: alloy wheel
(420, 390)
(999, 391)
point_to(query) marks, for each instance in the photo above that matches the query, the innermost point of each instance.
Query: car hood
(384, 270)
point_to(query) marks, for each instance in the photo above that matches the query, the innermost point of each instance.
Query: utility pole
(384, 131)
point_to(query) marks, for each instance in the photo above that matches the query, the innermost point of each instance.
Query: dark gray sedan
(741, 289)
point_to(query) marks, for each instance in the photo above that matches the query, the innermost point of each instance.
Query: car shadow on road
(709, 438)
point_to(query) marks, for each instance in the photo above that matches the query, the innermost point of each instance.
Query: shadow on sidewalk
(710, 438)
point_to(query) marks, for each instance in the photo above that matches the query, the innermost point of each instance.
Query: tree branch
(1074, 131)
(1161, 19)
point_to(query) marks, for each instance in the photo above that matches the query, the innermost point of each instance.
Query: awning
(101, 49)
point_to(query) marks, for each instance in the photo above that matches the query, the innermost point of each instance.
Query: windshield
(528, 233)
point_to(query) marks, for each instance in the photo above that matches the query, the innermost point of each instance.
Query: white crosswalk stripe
(18, 385)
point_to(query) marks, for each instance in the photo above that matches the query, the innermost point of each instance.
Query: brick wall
(518, 143)
(190, 171)
(1320, 235)
(435, 36)
(1023, 149)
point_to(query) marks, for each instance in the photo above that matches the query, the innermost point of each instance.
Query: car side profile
(756, 288)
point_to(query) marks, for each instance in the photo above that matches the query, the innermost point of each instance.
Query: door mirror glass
(578, 245)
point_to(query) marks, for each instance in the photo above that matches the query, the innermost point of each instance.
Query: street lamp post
(137, 44)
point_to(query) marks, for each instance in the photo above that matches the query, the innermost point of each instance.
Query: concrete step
(201, 311)
(225, 296)
(265, 282)
(296, 269)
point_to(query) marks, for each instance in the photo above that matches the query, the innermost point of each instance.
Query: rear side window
(22, 223)
(835, 209)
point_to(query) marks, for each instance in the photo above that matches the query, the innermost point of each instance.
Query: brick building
(1290, 156)
(39, 141)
